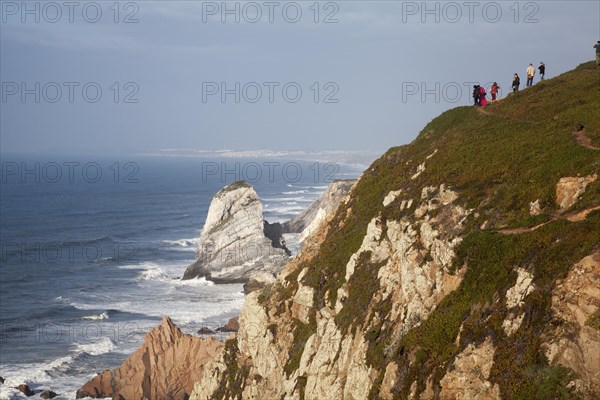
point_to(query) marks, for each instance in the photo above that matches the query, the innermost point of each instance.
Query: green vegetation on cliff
(499, 159)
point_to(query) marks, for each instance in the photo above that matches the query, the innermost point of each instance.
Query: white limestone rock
(236, 243)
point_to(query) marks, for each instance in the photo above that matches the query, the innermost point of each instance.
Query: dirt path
(576, 216)
(483, 110)
(583, 140)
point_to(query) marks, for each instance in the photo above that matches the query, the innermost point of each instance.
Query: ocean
(92, 249)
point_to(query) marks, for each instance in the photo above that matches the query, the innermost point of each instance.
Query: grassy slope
(498, 163)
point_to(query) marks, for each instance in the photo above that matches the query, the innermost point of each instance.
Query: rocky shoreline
(235, 221)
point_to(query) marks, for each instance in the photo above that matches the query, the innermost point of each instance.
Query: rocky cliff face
(575, 340)
(164, 367)
(446, 273)
(297, 343)
(236, 242)
(308, 220)
(302, 346)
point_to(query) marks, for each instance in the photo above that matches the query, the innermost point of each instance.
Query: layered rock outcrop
(469, 374)
(569, 189)
(164, 367)
(308, 220)
(412, 255)
(574, 343)
(236, 242)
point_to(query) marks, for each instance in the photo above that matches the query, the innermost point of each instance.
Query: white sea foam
(192, 282)
(303, 191)
(153, 272)
(165, 272)
(158, 273)
(102, 315)
(302, 199)
(184, 302)
(183, 242)
(56, 375)
(285, 209)
(104, 345)
(32, 374)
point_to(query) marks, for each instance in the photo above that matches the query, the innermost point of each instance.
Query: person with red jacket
(482, 93)
(494, 91)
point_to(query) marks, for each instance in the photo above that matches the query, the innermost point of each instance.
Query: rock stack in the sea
(236, 242)
(308, 220)
(164, 367)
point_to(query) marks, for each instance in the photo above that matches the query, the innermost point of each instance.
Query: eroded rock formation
(164, 367)
(308, 220)
(575, 344)
(569, 189)
(236, 242)
(412, 254)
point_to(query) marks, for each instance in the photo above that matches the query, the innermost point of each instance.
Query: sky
(143, 76)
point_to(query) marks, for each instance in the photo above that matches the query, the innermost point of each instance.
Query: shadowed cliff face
(236, 242)
(164, 367)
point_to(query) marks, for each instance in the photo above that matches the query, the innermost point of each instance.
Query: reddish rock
(231, 326)
(164, 367)
(25, 390)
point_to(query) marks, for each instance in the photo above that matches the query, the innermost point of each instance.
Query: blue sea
(92, 249)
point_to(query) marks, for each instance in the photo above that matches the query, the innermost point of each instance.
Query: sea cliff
(463, 265)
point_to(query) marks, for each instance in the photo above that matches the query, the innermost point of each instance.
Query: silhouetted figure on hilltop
(476, 97)
(542, 69)
(515, 83)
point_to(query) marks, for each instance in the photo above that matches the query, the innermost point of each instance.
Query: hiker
(515, 83)
(542, 69)
(530, 74)
(476, 97)
(597, 47)
(494, 91)
(482, 93)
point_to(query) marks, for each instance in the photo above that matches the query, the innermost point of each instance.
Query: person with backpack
(542, 69)
(530, 74)
(515, 83)
(597, 47)
(476, 96)
(482, 94)
(494, 91)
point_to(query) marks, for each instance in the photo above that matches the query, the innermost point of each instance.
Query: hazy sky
(361, 66)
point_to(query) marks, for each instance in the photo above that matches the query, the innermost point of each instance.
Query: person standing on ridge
(494, 91)
(482, 99)
(597, 47)
(476, 95)
(542, 69)
(530, 74)
(515, 83)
